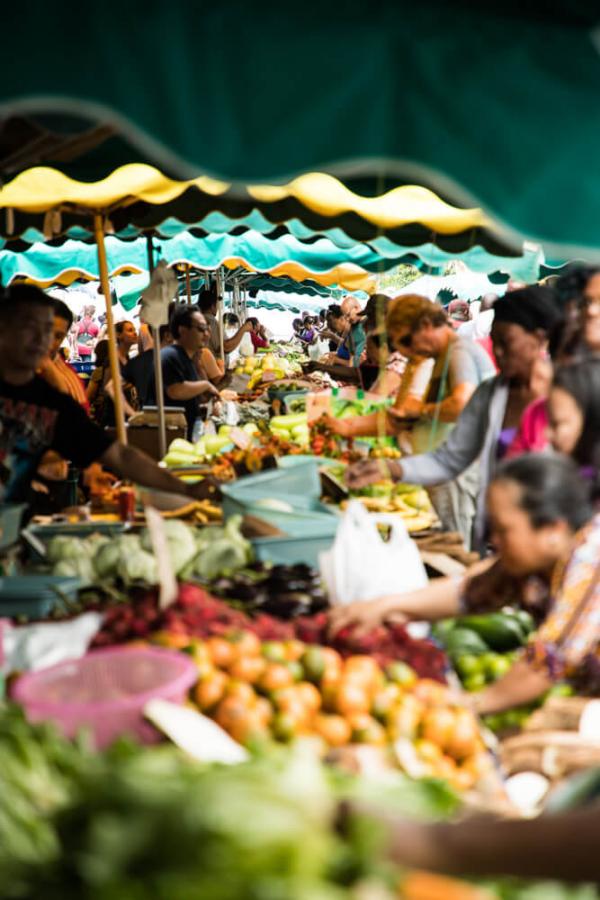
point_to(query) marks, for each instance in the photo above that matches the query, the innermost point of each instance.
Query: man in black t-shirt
(181, 381)
(35, 417)
(139, 371)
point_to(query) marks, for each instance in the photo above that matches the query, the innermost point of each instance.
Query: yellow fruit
(332, 728)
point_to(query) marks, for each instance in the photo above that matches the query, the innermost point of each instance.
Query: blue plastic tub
(10, 523)
(35, 596)
(292, 550)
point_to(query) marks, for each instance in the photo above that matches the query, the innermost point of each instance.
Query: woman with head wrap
(523, 322)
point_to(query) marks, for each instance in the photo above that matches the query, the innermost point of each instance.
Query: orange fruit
(210, 689)
(274, 651)
(222, 652)
(333, 663)
(313, 662)
(366, 729)
(231, 713)
(335, 730)
(431, 692)
(289, 700)
(275, 676)
(403, 719)
(294, 650)
(242, 690)
(351, 698)
(464, 740)
(171, 639)
(479, 765)
(264, 711)
(462, 779)
(363, 670)
(437, 726)
(246, 643)
(428, 752)
(385, 699)
(401, 673)
(446, 768)
(309, 695)
(248, 668)
(285, 726)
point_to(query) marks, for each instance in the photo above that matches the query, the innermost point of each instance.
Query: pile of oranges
(281, 690)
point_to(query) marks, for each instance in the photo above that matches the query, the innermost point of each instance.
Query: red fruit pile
(196, 614)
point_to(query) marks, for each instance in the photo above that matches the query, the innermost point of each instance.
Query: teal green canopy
(493, 104)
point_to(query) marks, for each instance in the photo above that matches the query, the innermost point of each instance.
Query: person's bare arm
(231, 343)
(208, 367)
(451, 407)
(521, 684)
(133, 465)
(387, 384)
(110, 390)
(187, 390)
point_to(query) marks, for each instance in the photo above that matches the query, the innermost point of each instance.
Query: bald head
(351, 308)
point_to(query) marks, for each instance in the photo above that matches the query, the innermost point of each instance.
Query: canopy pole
(237, 298)
(188, 283)
(219, 285)
(158, 379)
(113, 357)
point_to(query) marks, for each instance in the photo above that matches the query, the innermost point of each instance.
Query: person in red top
(87, 332)
(258, 335)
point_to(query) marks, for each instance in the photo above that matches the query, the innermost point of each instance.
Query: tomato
(351, 698)
(403, 720)
(246, 643)
(465, 739)
(364, 670)
(309, 695)
(385, 699)
(332, 728)
(222, 652)
(248, 668)
(242, 690)
(294, 650)
(366, 730)
(275, 676)
(437, 726)
(209, 690)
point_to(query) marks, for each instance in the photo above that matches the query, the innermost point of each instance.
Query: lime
(475, 682)
(468, 665)
(401, 673)
(274, 651)
(498, 667)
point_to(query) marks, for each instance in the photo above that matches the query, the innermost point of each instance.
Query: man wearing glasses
(182, 384)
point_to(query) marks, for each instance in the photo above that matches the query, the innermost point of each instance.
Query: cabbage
(63, 547)
(106, 561)
(81, 568)
(139, 566)
(180, 538)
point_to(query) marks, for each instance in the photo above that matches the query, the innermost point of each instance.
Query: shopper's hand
(370, 471)
(364, 615)
(343, 427)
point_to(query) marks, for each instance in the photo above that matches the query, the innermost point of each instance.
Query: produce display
(267, 367)
(282, 690)
(197, 614)
(283, 591)
(409, 501)
(291, 427)
(203, 553)
(150, 824)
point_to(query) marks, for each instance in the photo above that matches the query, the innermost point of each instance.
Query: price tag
(167, 583)
(240, 438)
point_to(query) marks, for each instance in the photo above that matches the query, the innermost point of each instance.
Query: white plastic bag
(362, 566)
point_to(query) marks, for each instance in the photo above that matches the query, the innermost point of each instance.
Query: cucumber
(499, 631)
(462, 641)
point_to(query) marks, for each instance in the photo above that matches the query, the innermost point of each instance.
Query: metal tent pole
(158, 379)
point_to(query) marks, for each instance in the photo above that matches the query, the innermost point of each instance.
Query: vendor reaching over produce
(182, 383)
(488, 423)
(419, 329)
(35, 417)
(543, 527)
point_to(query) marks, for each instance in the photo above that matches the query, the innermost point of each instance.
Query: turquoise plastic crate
(297, 459)
(299, 478)
(35, 596)
(292, 550)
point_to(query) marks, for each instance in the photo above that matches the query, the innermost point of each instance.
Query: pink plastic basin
(106, 691)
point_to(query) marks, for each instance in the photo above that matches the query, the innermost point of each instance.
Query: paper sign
(167, 583)
(240, 438)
